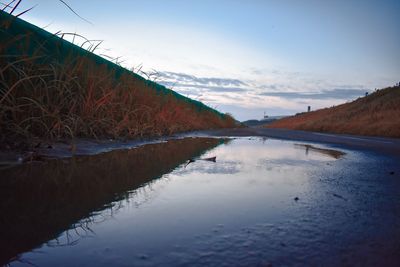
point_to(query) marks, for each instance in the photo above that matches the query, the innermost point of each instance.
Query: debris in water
(189, 161)
(339, 196)
(392, 172)
(213, 159)
(296, 199)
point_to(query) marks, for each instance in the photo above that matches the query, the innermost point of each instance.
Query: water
(263, 202)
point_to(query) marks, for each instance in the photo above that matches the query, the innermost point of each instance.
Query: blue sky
(245, 57)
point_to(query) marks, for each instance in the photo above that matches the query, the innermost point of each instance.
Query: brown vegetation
(51, 89)
(377, 114)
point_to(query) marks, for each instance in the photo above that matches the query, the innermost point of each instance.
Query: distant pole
(309, 109)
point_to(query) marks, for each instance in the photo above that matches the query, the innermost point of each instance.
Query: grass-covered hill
(377, 114)
(51, 88)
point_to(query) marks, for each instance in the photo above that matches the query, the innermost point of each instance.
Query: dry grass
(44, 97)
(377, 114)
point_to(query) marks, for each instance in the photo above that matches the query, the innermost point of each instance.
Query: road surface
(389, 146)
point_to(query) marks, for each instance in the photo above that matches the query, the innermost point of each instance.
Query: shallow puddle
(173, 204)
(329, 152)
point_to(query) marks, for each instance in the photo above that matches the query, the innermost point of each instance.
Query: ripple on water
(260, 203)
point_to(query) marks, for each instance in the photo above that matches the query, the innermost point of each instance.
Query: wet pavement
(260, 202)
(383, 145)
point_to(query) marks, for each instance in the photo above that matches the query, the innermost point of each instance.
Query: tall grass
(45, 96)
(377, 114)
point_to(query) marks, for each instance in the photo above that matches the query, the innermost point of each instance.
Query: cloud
(324, 94)
(205, 87)
(191, 84)
(249, 98)
(183, 78)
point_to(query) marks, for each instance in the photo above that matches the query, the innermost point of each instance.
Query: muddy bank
(44, 150)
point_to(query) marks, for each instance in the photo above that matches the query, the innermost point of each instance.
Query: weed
(52, 89)
(377, 114)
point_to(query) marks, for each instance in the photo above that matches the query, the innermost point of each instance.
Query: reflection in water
(238, 211)
(39, 201)
(329, 152)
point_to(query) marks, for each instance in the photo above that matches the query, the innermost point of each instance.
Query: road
(389, 146)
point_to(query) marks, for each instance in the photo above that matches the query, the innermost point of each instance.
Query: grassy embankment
(377, 114)
(52, 89)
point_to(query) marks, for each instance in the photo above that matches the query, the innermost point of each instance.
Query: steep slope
(51, 88)
(377, 114)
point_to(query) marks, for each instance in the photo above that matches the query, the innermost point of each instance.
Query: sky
(243, 57)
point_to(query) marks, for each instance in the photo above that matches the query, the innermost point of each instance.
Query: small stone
(143, 257)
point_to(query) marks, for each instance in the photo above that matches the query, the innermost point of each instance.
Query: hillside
(377, 114)
(51, 88)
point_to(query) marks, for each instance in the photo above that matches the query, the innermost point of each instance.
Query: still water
(261, 202)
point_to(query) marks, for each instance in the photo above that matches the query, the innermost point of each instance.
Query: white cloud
(236, 96)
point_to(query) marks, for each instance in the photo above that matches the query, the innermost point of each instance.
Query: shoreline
(88, 147)
(383, 145)
(63, 149)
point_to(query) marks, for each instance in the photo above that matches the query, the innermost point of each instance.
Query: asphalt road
(390, 146)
